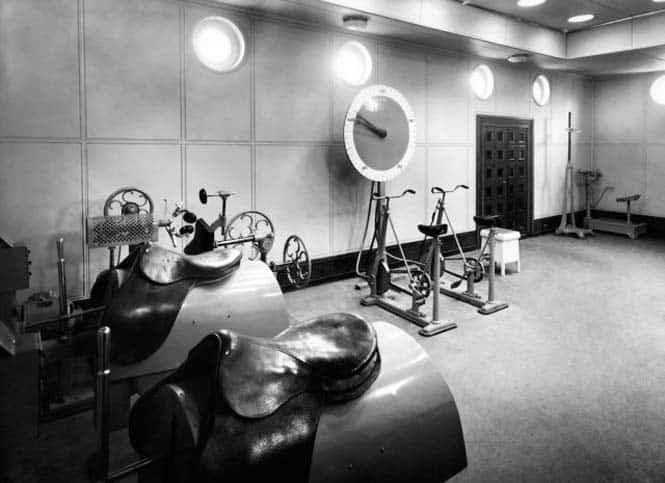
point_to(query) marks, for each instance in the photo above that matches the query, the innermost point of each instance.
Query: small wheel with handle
(250, 223)
(296, 262)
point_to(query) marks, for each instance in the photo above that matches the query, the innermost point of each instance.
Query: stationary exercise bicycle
(379, 276)
(254, 230)
(473, 269)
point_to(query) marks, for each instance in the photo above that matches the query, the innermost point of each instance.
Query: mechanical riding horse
(159, 303)
(334, 399)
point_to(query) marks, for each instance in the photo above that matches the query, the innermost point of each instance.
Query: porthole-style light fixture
(540, 89)
(657, 90)
(353, 63)
(218, 43)
(482, 82)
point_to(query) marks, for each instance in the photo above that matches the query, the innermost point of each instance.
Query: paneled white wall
(115, 97)
(629, 146)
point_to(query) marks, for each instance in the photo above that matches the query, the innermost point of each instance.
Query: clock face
(379, 133)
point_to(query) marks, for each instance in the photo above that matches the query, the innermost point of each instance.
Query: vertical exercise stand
(571, 228)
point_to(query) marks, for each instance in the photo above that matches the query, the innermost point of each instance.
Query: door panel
(504, 166)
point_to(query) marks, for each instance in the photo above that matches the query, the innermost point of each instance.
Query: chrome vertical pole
(102, 401)
(491, 235)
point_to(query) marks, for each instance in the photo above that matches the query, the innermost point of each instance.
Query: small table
(506, 247)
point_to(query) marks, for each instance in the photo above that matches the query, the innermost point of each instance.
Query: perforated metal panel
(110, 231)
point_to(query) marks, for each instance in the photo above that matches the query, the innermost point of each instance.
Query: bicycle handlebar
(409, 191)
(436, 189)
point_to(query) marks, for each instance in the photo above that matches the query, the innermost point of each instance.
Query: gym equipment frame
(621, 227)
(379, 275)
(473, 268)
(589, 178)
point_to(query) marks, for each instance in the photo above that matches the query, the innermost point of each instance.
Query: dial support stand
(379, 278)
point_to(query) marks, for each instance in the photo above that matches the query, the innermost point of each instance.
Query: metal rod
(436, 281)
(58, 320)
(490, 294)
(132, 468)
(628, 212)
(62, 277)
(234, 241)
(102, 401)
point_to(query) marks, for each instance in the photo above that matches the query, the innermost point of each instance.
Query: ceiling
(555, 13)
(330, 13)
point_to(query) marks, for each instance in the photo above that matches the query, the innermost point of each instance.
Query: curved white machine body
(404, 428)
(249, 302)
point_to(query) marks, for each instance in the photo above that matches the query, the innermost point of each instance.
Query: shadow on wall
(350, 198)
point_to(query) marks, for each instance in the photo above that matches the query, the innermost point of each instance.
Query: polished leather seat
(433, 231)
(486, 221)
(247, 404)
(143, 308)
(166, 266)
(624, 199)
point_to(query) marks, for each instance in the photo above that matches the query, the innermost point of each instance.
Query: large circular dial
(380, 133)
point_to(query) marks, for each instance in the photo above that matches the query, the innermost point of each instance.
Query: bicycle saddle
(624, 199)
(486, 221)
(433, 231)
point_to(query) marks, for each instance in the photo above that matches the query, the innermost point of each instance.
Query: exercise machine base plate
(428, 326)
(574, 230)
(620, 227)
(491, 307)
(484, 307)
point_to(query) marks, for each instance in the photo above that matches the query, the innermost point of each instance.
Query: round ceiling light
(353, 63)
(482, 82)
(581, 18)
(657, 90)
(540, 89)
(218, 43)
(530, 3)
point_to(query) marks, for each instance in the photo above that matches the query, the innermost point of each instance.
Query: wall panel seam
(182, 24)
(252, 114)
(83, 120)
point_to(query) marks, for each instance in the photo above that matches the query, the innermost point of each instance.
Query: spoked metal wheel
(475, 268)
(421, 283)
(250, 223)
(296, 262)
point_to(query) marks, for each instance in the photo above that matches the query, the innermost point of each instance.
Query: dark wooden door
(504, 166)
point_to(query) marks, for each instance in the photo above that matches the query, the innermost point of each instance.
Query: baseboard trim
(549, 224)
(339, 267)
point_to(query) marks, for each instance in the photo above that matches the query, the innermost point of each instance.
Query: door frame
(509, 121)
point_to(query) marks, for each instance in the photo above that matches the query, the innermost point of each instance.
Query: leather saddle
(142, 309)
(249, 407)
(487, 221)
(625, 199)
